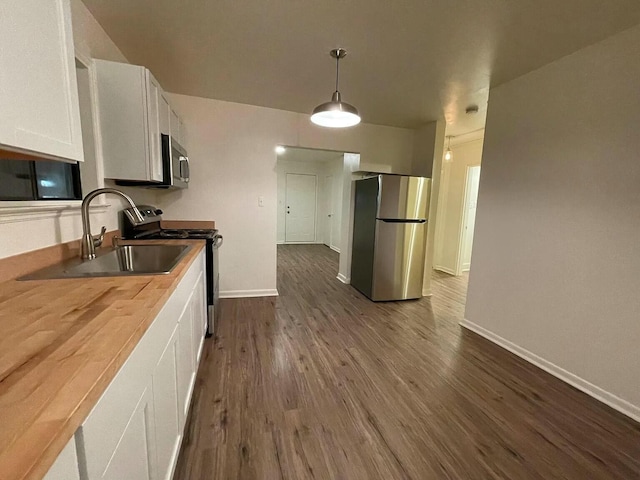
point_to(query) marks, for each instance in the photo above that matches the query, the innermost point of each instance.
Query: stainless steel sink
(125, 260)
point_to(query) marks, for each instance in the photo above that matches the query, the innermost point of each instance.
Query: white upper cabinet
(130, 103)
(177, 129)
(165, 116)
(39, 109)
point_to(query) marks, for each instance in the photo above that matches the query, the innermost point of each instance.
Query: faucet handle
(98, 239)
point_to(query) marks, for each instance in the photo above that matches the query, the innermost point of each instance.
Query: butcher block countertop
(61, 343)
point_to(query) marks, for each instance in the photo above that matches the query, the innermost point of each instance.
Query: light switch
(261, 201)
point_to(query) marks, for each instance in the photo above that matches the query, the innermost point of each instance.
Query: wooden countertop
(61, 343)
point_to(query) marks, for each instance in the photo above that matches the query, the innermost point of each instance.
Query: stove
(151, 229)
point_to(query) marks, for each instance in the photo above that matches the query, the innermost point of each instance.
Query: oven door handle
(219, 239)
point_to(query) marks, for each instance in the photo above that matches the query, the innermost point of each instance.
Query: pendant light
(336, 113)
(448, 155)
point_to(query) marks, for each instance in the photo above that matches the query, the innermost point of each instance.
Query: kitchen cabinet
(165, 402)
(186, 369)
(192, 329)
(66, 465)
(130, 109)
(177, 129)
(38, 86)
(199, 306)
(136, 428)
(134, 456)
(165, 115)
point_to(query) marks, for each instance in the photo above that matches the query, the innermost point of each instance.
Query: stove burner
(174, 233)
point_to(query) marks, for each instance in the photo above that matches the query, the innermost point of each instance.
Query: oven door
(179, 165)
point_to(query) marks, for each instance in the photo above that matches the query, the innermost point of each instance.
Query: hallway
(322, 383)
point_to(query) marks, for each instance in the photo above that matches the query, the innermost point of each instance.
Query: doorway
(457, 203)
(469, 216)
(300, 198)
(314, 202)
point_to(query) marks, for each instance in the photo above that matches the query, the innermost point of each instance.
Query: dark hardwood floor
(321, 383)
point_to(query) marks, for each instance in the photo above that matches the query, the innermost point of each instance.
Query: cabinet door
(165, 401)
(154, 98)
(134, 456)
(199, 315)
(175, 126)
(165, 115)
(182, 134)
(38, 86)
(186, 366)
(66, 465)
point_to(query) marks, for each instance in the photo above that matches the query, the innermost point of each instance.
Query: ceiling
(409, 61)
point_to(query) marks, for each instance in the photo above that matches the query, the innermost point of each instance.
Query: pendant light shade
(336, 113)
(448, 155)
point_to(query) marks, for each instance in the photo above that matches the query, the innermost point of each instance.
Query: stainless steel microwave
(175, 164)
(175, 167)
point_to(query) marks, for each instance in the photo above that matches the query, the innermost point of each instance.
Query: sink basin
(125, 260)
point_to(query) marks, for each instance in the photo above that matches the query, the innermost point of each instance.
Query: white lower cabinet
(186, 370)
(66, 465)
(136, 428)
(134, 457)
(165, 402)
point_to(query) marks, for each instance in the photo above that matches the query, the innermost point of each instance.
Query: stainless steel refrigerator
(389, 236)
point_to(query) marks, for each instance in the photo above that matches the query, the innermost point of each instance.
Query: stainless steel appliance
(151, 229)
(175, 167)
(175, 157)
(389, 236)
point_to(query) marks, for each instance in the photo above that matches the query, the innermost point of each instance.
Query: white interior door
(327, 237)
(300, 222)
(471, 202)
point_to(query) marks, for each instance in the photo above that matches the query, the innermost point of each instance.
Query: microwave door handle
(184, 168)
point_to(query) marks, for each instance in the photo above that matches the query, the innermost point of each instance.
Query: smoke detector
(471, 110)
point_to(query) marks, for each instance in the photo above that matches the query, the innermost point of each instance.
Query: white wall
(451, 205)
(425, 140)
(335, 168)
(556, 263)
(231, 147)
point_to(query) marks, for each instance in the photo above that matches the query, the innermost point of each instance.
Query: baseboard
(343, 279)
(280, 242)
(444, 269)
(581, 384)
(248, 293)
(335, 249)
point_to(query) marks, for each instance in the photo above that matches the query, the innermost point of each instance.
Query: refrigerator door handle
(402, 220)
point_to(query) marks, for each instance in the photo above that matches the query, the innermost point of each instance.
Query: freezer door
(398, 265)
(364, 232)
(404, 197)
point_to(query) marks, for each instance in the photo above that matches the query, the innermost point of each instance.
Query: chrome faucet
(90, 242)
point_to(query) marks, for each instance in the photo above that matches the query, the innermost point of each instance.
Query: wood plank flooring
(321, 383)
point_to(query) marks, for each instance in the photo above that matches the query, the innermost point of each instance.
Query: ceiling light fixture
(448, 155)
(336, 113)
(280, 149)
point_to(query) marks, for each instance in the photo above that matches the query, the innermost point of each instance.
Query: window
(39, 180)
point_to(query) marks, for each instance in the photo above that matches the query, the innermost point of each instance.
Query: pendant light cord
(337, 70)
